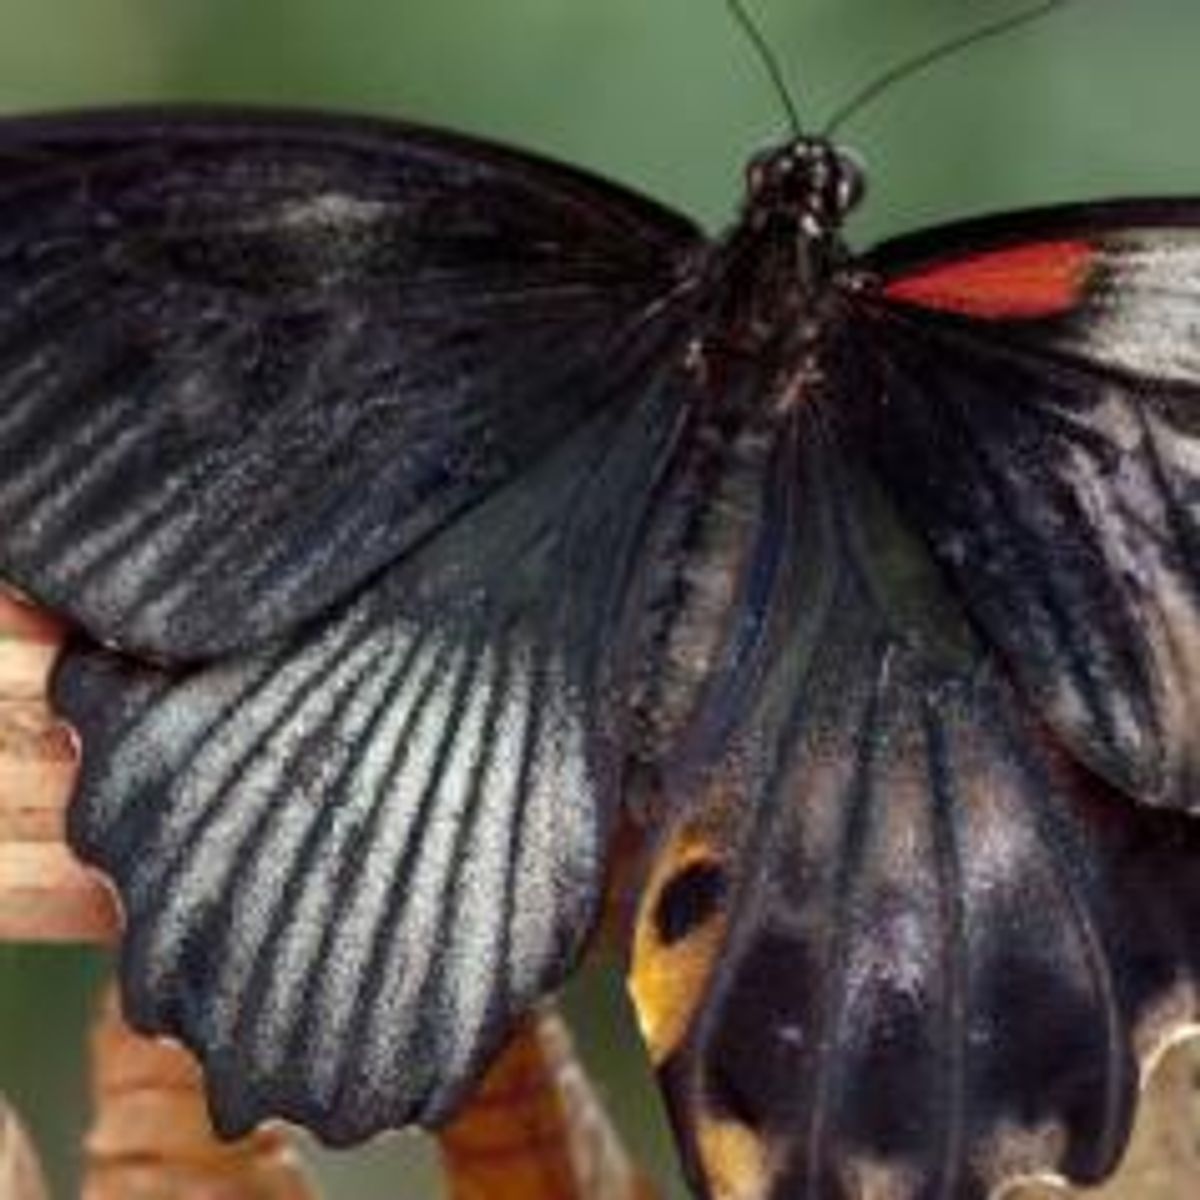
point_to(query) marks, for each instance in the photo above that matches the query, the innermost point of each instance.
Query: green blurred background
(1099, 99)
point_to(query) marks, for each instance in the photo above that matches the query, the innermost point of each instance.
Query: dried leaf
(151, 1138)
(20, 1175)
(535, 1129)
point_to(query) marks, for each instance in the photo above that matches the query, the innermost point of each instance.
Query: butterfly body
(424, 507)
(770, 286)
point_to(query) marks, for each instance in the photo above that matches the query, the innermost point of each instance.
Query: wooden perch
(535, 1130)
(45, 894)
(151, 1138)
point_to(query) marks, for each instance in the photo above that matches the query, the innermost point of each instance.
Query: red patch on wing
(1039, 280)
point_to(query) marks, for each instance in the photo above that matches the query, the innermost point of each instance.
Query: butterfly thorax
(760, 355)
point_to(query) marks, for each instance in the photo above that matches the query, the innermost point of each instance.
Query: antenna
(920, 62)
(741, 15)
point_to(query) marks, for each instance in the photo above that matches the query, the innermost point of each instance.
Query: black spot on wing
(754, 1066)
(688, 900)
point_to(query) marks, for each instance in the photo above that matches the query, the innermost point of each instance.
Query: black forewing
(246, 361)
(938, 945)
(337, 439)
(1053, 463)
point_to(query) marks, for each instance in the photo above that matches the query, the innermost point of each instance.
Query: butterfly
(425, 510)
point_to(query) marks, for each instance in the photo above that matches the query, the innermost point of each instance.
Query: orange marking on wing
(737, 1161)
(1040, 280)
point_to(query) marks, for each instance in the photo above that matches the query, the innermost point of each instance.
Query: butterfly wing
(350, 857)
(248, 361)
(906, 934)
(335, 439)
(896, 940)
(1033, 402)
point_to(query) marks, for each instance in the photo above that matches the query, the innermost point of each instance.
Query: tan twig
(535, 1129)
(20, 1175)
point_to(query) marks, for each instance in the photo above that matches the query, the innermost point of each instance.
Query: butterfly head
(808, 180)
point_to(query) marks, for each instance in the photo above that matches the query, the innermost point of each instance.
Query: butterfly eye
(851, 181)
(834, 181)
(760, 173)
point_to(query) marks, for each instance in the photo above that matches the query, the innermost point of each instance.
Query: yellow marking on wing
(736, 1162)
(667, 981)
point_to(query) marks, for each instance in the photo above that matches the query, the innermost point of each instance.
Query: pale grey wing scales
(350, 859)
(247, 361)
(354, 851)
(343, 952)
(342, 938)
(938, 947)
